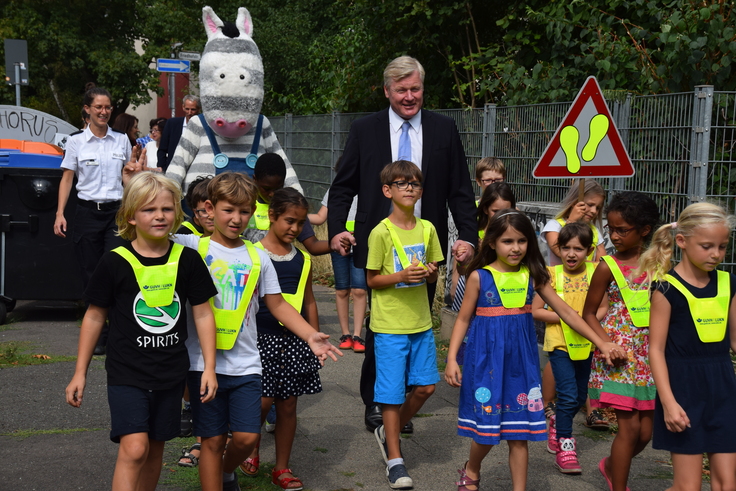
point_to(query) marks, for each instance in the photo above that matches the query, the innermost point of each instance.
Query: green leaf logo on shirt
(156, 320)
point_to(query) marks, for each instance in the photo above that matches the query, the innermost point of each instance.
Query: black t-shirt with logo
(145, 347)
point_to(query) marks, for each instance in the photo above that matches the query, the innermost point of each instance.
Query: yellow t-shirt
(576, 289)
(400, 308)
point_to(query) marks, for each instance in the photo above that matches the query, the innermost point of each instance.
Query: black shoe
(99, 350)
(186, 422)
(373, 418)
(408, 428)
(398, 478)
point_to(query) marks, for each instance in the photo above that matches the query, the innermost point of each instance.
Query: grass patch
(320, 450)
(423, 415)
(23, 434)
(348, 474)
(14, 353)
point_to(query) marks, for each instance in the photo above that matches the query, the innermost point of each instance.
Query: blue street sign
(172, 65)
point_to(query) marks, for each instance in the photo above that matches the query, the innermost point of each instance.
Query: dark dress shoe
(373, 418)
(99, 350)
(408, 428)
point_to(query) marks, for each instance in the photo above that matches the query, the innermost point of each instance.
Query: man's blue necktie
(405, 142)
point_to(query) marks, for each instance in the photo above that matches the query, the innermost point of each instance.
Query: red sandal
(284, 483)
(254, 462)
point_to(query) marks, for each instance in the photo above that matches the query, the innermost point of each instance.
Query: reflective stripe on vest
(578, 347)
(512, 287)
(710, 315)
(228, 323)
(156, 283)
(591, 256)
(193, 229)
(636, 301)
(400, 252)
(296, 300)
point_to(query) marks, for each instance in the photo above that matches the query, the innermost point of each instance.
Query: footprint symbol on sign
(570, 136)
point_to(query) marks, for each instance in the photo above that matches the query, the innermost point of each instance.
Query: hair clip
(673, 225)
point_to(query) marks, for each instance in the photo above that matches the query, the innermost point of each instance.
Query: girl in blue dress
(500, 388)
(690, 333)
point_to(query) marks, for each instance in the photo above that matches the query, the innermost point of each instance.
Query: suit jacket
(169, 141)
(446, 180)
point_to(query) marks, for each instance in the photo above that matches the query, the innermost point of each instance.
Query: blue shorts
(401, 360)
(236, 406)
(136, 410)
(347, 276)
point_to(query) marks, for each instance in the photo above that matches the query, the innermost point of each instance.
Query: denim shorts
(347, 276)
(403, 360)
(236, 406)
(136, 410)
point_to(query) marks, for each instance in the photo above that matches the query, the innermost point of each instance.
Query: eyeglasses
(99, 109)
(402, 185)
(155, 130)
(487, 182)
(621, 232)
(201, 212)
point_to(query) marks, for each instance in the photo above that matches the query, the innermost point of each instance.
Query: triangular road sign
(587, 143)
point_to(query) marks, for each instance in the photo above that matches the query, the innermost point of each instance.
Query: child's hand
(460, 252)
(322, 348)
(615, 355)
(675, 418)
(75, 390)
(453, 374)
(577, 212)
(346, 244)
(208, 386)
(414, 273)
(431, 268)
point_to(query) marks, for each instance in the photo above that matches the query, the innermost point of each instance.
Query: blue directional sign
(172, 65)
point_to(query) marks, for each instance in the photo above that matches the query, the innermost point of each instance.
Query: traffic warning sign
(587, 143)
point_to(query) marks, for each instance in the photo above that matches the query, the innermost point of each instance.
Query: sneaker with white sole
(567, 458)
(398, 477)
(552, 444)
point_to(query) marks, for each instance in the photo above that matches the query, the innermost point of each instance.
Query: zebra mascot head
(231, 75)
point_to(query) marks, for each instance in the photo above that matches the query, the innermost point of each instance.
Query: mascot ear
(212, 23)
(244, 22)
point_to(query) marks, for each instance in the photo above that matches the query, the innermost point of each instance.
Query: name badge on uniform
(119, 156)
(91, 162)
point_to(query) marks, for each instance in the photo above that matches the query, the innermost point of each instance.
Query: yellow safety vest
(350, 226)
(710, 315)
(512, 287)
(637, 301)
(296, 300)
(591, 256)
(578, 347)
(260, 220)
(228, 323)
(157, 283)
(191, 227)
(400, 252)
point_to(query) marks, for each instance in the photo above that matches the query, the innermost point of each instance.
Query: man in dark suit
(375, 141)
(173, 129)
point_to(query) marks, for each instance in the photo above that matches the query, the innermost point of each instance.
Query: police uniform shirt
(98, 164)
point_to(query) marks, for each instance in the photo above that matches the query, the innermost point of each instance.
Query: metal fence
(681, 145)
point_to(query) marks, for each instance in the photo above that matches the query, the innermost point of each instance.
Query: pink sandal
(602, 468)
(466, 481)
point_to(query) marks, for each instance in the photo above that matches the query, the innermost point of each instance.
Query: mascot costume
(230, 133)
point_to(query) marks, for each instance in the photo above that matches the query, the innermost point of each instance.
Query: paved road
(332, 451)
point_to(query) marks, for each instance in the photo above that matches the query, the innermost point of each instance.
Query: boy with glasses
(403, 253)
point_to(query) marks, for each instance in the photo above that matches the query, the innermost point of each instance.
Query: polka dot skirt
(289, 366)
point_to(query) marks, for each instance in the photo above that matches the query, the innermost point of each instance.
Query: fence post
(621, 113)
(288, 129)
(334, 144)
(489, 131)
(700, 143)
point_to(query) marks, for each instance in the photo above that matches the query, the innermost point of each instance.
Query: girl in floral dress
(627, 387)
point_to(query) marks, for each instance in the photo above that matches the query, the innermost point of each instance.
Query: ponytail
(656, 261)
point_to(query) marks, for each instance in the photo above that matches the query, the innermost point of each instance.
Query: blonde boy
(489, 170)
(402, 257)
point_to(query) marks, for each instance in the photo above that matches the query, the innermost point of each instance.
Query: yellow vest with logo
(578, 347)
(512, 287)
(636, 300)
(710, 315)
(399, 247)
(260, 220)
(228, 323)
(157, 283)
(192, 228)
(296, 300)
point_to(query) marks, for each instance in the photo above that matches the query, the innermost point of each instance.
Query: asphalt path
(47, 445)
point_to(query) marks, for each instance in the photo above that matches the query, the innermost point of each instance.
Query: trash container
(35, 264)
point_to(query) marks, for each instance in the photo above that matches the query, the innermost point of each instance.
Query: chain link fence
(681, 145)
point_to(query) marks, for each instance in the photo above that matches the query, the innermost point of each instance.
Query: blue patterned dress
(501, 393)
